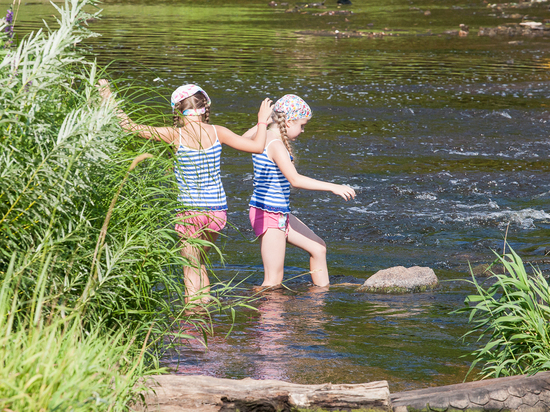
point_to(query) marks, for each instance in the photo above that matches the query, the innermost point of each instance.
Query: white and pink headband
(188, 90)
(294, 107)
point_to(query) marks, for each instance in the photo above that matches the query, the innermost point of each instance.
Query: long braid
(206, 115)
(281, 122)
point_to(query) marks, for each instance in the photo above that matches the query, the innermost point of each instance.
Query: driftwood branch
(207, 394)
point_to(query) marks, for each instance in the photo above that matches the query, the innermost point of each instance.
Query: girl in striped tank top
(270, 214)
(197, 146)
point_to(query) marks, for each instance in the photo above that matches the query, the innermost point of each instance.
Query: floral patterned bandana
(293, 107)
(188, 90)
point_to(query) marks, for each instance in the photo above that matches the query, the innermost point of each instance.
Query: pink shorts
(262, 220)
(196, 223)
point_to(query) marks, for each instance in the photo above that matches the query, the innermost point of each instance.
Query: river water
(444, 138)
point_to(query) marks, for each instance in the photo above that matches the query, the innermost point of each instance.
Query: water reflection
(278, 335)
(273, 345)
(271, 333)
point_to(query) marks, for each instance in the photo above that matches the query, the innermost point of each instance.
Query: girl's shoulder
(270, 140)
(218, 130)
(274, 145)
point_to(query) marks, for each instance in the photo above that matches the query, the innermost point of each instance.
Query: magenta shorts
(195, 223)
(262, 220)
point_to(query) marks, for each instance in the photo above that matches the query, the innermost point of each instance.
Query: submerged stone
(400, 279)
(487, 269)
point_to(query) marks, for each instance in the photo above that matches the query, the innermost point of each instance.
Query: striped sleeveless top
(271, 187)
(198, 176)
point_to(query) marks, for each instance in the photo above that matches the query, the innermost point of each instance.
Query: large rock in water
(399, 279)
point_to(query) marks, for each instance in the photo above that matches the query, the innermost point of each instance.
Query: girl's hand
(264, 114)
(345, 191)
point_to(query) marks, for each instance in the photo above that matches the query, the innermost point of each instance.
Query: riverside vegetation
(91, 276)
(511, 316)
(89, 266)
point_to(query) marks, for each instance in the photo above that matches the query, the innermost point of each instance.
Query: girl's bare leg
(303, 237)
(195, 276)
(273, 248)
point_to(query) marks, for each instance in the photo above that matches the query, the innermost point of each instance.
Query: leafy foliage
(512, 316)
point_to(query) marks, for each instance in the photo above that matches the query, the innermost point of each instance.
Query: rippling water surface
(444, 139)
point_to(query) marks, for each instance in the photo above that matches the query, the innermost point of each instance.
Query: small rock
(543, 250)
(399, 279)
(317, 5)
(487, 31)
(531, 24)
(427, 13)
(462, 33)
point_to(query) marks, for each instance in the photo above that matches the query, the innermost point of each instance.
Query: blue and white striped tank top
(271, 187)
(198, 176)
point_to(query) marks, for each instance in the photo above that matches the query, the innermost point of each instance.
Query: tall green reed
(511, 319)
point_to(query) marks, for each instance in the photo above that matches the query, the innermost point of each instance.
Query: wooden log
(514, 393)
(207, 394)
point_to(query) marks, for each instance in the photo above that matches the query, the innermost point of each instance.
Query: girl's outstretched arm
(278, 153)
(245, 143)
(166, 134)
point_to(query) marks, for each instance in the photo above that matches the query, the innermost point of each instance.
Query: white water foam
(524, 218)
(426, 196)
(456, 152)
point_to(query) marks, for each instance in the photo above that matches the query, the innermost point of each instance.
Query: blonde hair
(196, 101)
(280, 119)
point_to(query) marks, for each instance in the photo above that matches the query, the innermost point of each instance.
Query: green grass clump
(512, 316)
(53, 364)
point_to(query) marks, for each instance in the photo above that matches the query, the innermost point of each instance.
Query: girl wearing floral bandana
(197, 147)
(270, 215)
